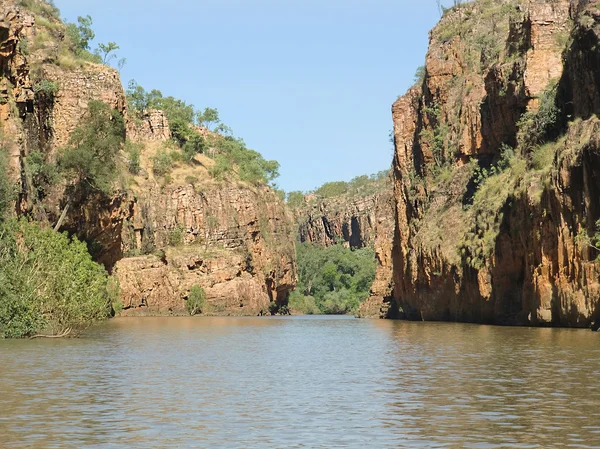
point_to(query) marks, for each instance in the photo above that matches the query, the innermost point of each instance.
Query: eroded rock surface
(524, 257)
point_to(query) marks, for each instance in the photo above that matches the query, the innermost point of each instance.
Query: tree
(209, 118)
(106, 51)
(194, 145)
(90, 157)
(137, 97)
(81, 35)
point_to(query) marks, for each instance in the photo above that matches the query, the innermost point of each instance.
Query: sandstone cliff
(496, 168)
(234, 240)
(160, 236)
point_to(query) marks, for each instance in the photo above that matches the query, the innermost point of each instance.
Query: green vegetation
(90, 158)
(436, 135)
(419, 75)
(133, 151)
(162, 162)
(41, 174)
(48, 283)
(481, 26)
(537, 127)
(336, 278)
(176, 235)
(233, 159)
(359, 186)
(48, 89)
(485, 214)
(247, 164)
(196, 300)
(303, 304)
(7, 189)
(295, 199)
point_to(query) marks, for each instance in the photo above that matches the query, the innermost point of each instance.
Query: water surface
(305, 382)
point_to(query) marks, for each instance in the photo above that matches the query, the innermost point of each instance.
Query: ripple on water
(301, 383)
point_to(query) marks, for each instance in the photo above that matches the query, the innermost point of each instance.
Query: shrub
(542, 156)
(295, 199)
(48, 283)
(176, 235)
(7, 189)
(90, 158)
(133, 151)
(42, 174)
(537, 127)
(23, 46)
(195, 301)
(162, 162)
(46, 88)
(303, 304)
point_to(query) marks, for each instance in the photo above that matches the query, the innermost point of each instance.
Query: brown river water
(301, 382)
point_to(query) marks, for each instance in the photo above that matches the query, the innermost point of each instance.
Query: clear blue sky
(309, 83)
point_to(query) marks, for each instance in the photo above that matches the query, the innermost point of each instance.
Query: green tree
(195, 144)
(90, 157)
(330, 189)
(163, 162)
(209, 118)
(137, 97)
(107, 51)
(81, 34)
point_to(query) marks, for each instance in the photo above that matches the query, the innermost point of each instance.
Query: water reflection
(301, 382)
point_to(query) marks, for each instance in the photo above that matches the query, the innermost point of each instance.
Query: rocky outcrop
(339, 219)
(481, 235)
(381, 303)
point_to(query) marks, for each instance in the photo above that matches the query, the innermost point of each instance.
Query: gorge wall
(496, 168)
(159, 236)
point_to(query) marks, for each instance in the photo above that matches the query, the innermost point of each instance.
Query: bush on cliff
(90, 157)
(195, 301)
(337, 277)
(49, 283)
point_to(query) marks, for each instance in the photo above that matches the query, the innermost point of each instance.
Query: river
(301, 382)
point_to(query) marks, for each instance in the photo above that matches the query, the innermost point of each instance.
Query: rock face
(160, 238)
(381, 303)
(339, 219)
(478, 238)
(236, 243)
(356, 221)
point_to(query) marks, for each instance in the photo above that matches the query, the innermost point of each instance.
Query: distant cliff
(497, 166)
(356, 214)
(160, 234)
